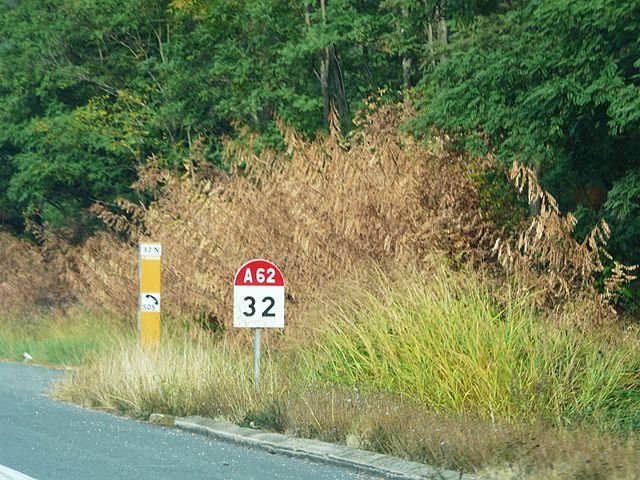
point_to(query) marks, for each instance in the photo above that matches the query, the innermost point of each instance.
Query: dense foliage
(91, 90)
(554, 84)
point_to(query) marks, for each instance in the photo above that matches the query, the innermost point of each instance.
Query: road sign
(149, 255)
(258, 302)
(151, 250)
(258, 296)
(150, 302)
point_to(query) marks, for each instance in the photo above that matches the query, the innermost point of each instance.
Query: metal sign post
(256, 357)
(258, 299)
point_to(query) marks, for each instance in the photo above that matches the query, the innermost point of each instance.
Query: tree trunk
(406, 58)
(338, 82)
(406, 72)
(443, 31)
(324, 83)
(430, 42)
(324, 68)
(365, 56)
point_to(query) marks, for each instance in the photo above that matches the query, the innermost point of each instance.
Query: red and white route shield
(258, 296)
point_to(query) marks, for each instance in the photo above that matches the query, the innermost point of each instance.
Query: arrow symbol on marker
(152, 298)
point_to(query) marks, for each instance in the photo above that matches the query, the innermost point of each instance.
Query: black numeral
(252, 306)
(267, 313)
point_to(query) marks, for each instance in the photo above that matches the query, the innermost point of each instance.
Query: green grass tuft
(427, 366)
(445, 342)
(57, 340)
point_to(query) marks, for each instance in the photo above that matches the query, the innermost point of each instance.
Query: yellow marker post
(149, 255)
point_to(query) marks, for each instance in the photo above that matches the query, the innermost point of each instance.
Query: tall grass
(428, 366)
(441, 339)
(321, 211)
(189, 373)
(56, 339)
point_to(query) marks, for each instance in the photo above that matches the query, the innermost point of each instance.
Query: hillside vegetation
(323, 210)
(404, 295)
(92, 90)
(454, 212)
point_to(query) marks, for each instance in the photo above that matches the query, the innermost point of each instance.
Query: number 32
(252, 307)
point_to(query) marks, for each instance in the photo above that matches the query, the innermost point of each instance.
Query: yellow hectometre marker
(149, 255)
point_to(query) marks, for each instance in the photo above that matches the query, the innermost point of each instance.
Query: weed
(57, 339)
(211, 376)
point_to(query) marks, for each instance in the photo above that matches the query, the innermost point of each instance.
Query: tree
(65, 69)
(556, 85)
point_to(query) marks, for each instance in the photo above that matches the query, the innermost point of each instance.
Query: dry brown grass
(546, 257)
(324, 209)
(503, 451)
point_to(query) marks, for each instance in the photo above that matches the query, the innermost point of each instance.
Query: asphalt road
(50, 440)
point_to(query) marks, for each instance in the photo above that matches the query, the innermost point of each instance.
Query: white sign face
(258, 307)
(258, 296)
(150, 250)
(149, 302)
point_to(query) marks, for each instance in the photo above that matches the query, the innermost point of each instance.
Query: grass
(190, 373)
(213, 377)
(439, 366)
(441, 340)
(426, 367)
(56, 340)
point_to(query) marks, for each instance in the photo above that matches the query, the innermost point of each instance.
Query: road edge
(340, 455)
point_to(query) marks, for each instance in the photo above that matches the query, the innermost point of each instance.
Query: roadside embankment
(427, 366)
